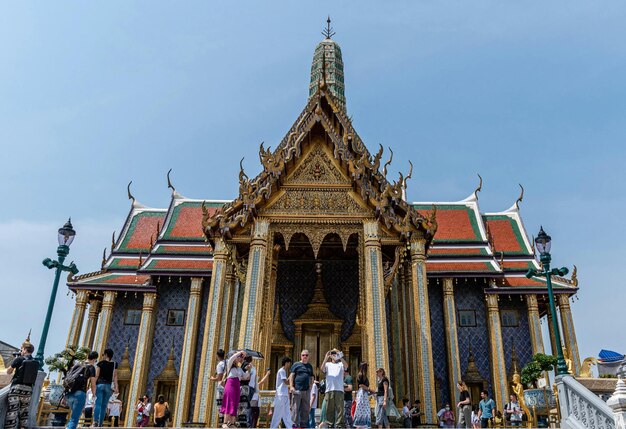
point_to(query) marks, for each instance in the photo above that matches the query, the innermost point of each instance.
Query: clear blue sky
(93, 95)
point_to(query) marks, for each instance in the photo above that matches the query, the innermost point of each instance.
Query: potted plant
(540, 400)
(61, 362)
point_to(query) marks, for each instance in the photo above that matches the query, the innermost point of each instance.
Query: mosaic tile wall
(520, 336)
(171, 296)
(469, 296)
(389, 340)
(295, 284)
(120, 335)
(438, 334)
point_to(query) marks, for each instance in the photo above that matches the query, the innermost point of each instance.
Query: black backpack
(322, 387)
(27, 372)
(76, 378)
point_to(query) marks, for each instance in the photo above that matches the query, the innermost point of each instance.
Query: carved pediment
(316, 169)
(305, 201)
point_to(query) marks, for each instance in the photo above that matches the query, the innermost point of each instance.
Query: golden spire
(124, 371)
(169, 372)
(27, 341)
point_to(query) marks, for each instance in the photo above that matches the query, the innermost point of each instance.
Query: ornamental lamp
(543, 242)
(66, 234)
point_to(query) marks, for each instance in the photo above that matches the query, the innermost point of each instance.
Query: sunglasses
(304, 354)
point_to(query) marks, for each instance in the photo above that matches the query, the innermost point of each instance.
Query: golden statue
(568, 362)
(585, 370)
(518, 389)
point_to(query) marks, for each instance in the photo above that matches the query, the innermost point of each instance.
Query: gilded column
(376, 324)
(422, 324)
(396, 335)
(551, 333)
(205, 392)
(452, 340)
(270, 305)
(234, 323)
(183, 396)
(534, 324)
(252, 305)
(569, 334)
(141, 363)
(227, 307)
(104, 322)
(92, 322)
(77, 318)
(498, 365)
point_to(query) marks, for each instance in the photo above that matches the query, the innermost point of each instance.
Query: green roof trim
(516, 230)
(175, 215)
(472, 218)
(123, 247)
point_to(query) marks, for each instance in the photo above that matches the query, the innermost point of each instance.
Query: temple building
(321, 249)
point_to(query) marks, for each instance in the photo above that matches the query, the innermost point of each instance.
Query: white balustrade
(581, 408)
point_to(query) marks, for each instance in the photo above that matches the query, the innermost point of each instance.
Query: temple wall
(120, 334)
(438, 334)
(470, 296)
(171, 296)
(520, 336)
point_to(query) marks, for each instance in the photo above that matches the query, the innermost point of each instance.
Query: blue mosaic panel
(389, 327)
(438, 335)
(295, 283)
(170, 296)
(121, 335)
(520, 336)
(469, 295)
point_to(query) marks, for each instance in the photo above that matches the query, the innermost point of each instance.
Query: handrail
(581, 408)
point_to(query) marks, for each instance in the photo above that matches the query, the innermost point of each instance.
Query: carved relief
(317, 168)
(303, 201)
(316, 234)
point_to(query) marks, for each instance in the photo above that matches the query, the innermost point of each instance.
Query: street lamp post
(65, 237)
(544, 243)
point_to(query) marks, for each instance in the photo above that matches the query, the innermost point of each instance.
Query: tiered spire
(327, 68)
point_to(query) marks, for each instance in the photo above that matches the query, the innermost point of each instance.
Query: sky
(93, 95)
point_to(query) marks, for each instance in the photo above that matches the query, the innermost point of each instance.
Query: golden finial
(242, 174)
(169, 182)
(408, 176)
(104, 258)
(520, 198)
(388, 163)
(140, 260)
(575, 276)
(480, 186)
(328, 31)
(113, 242)
(501, 259)
(130, 196)
(151, 242)
(27, 341)
(532, 244)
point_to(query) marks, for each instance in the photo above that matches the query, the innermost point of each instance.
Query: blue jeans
(312, 418)
(76, 402)
(103, 394)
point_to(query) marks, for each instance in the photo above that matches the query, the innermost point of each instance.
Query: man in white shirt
(333, 366)
(313, 403)
(219, 375)
(281, 400)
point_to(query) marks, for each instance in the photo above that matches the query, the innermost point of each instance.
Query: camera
(16, 354)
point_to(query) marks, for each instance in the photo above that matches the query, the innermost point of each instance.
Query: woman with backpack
(161, 412)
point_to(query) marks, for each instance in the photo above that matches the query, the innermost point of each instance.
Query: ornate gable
(317, 169)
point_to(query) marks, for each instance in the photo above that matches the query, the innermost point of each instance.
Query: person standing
(334, 366)
(347, 396)
(513, 411)
(464, 406)
(219, 376)
(446, 417)
(313, 403)
(232, 388)
(300, 381)
(160, 409)
(24, 369)
(416, 413)
(281, 400)
(88, 411)
(382, 395)
(106, 385)
(487, 408)
(254, 402)
(144, 409)
(406, 413)
(363, 413)
(114, 410)
(84, 376)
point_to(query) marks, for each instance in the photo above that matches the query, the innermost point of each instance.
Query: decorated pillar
(141, 363)
(270, 306)
(452, 340)
(498, 365)
(104, 323)
(252, 305)
(551, 333)
(227, 307)
(408, 359)
(396, 334)
(183, 395)
(534, 324)
(77, 318)
(234, 320)
(569, 334)
(92, 322)
(205, 392)
(422, 326)
(376, 323)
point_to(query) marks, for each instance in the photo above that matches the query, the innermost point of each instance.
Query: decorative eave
(384, 197)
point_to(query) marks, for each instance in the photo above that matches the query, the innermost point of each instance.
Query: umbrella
(249, 352)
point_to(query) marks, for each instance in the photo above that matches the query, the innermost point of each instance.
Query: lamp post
(544, 243)
(65, 237)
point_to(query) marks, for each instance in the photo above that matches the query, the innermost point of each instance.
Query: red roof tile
(142, 227)
(455, 223)
(506, 235)
(172, 249)
(450, 266)
(180, 264)
(456, 251)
